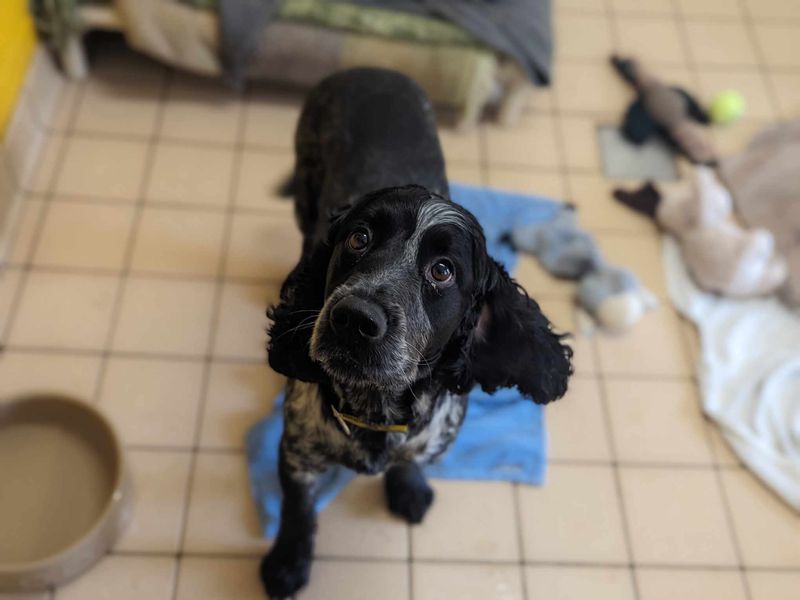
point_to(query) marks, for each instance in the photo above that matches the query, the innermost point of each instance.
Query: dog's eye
(358, 240)
(442, 271)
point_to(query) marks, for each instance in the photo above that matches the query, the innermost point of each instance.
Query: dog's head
(403, 289)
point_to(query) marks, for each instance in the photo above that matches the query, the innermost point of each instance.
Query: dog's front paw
(407, 493)
(411, 503)
(284, 573)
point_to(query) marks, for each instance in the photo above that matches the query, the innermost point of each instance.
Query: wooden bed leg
(484, 85)
(73, 58)
(515, 96)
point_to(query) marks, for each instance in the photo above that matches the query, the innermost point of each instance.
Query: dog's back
(362, 130)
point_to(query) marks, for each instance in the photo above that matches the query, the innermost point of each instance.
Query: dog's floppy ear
(514, 343)
(302, 297)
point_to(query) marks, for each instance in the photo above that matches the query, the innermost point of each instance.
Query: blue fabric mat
(503, 435)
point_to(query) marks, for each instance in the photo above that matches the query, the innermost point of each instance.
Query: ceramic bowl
(65, 494)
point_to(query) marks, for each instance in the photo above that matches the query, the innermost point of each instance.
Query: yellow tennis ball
(727, 107)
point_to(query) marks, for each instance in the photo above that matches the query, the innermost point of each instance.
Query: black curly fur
(302, 293)
(482, 330)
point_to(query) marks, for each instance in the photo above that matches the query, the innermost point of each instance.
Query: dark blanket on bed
(519, 29)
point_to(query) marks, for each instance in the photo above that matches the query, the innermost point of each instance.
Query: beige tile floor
(151, 242)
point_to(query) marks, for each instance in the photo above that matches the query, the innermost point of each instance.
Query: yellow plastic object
(17, 41)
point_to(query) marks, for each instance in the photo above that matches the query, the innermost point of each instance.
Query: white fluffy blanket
(749, 375)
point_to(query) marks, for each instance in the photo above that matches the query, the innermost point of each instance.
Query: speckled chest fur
(313, 441)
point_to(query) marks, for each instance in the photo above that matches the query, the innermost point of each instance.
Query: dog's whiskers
(316, 311)
(306, 323)
(422, 358)
(411, 391)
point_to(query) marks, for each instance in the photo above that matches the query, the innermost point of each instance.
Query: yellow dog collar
(345, 419)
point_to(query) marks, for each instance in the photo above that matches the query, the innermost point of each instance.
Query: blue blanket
(503, 435)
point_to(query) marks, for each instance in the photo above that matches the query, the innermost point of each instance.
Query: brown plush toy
(665, 110)
(721, 256)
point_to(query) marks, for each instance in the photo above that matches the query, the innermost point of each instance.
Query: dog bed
(466, 57)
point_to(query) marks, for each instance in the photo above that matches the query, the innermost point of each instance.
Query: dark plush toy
(665, 110)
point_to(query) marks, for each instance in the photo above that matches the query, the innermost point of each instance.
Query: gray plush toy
(612, 295)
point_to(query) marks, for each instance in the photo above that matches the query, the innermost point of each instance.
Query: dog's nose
(357, 316)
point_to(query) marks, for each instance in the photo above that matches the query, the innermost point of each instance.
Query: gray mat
(623, 160)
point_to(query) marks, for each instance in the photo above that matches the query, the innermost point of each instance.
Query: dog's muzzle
(361, 339)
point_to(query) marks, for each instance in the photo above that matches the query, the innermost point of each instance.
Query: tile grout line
(483, 153)
(763, 67)
(717, 470)
(611, 15)
(187, 449)
(46, 200)
(733, 535)
(644, 466)
(245, 279)
(124, 273)
(219, 285)
(615, 467)
(557, 116)
(278, 150)
(251, 360)
(409, 561)
(520, 537)
(592, 61)
(103, 272)
(694, 69)
(133, 354)
(241, 451)
(170, 140)
(553, 112)
(15, 233)
(247, 555)
(277, 207)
